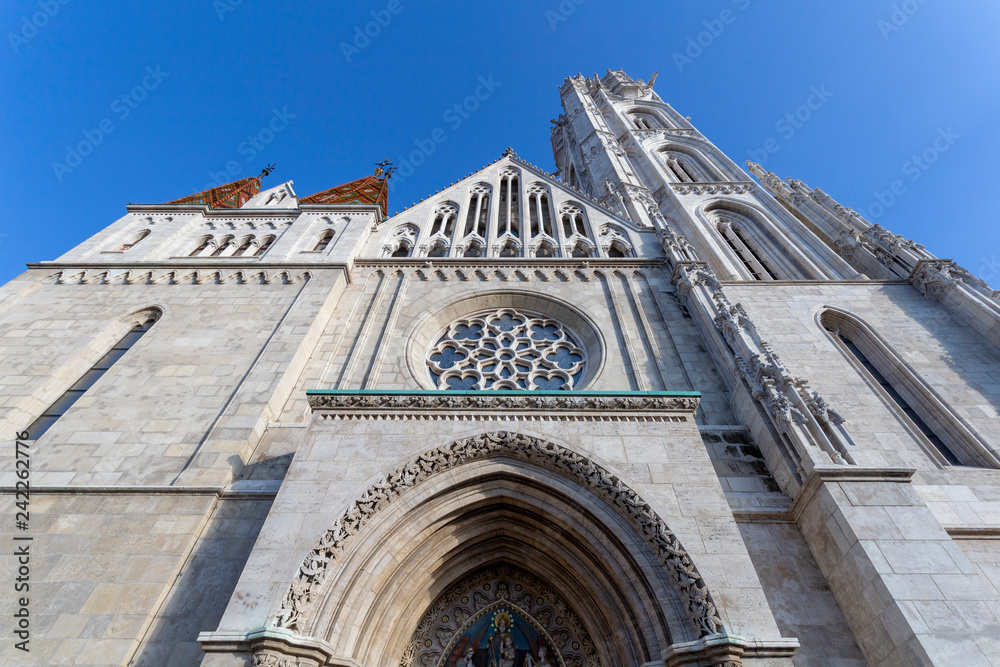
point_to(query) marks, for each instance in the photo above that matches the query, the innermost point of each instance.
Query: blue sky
(170, 93)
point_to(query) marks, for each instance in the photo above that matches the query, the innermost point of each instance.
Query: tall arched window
(644, 121)
(244, 246)
(927, 418)
(264, 245)
(747, 253)
(202, 246)
(688, 166)
(224, 246)
(572, 220)
(96, 372)
(479, 211)
(510, 204)
(134, 240)
(444, 220)
(324, 241)
(539, 211)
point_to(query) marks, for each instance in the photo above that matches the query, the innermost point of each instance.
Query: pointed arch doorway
(501, 615)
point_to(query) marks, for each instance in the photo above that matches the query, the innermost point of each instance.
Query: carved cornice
(463, 403)
(642, 135)
(179, 276)
(735, 188)
(304, 593)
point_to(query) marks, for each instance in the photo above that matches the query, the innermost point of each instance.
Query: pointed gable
(230, 195)
(367, 190)
(280, 196)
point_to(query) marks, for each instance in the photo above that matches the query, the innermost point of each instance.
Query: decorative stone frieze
(711, 188)
(643, 135)
(179, 277)
(494, 401)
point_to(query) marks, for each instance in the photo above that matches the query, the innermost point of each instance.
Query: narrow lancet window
(904, 406)
(510, 206)
(748, 255)
(74, 393)
(265, 244)
(324, 241)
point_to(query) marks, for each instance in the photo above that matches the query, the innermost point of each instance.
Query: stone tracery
(507, 349)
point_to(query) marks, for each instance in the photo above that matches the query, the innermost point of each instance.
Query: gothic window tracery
(572, 220)
(510, 248)
(644, 121)
(438, 249)
(444, 220)
(687, 166)
(614, 243)
(475, 249)
(506, 349)
(479, 211)
(401, 242)
(509, 221)
(539, 211)
(748, 254)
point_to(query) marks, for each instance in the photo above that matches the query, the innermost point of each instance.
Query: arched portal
(500, 614)
(500, 500)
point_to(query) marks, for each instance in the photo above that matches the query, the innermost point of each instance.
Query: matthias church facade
(646, 410)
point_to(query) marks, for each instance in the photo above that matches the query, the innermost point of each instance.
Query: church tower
(645, 410)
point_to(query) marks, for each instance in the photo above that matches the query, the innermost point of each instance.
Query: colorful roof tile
(367, 190)
(230, 195)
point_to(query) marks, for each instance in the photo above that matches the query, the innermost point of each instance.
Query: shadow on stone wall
(207, 581)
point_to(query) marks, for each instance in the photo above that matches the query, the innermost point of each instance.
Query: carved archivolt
(303, 595)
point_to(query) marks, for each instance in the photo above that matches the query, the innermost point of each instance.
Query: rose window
(506, 349)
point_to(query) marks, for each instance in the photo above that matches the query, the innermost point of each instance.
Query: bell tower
(619, 142)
